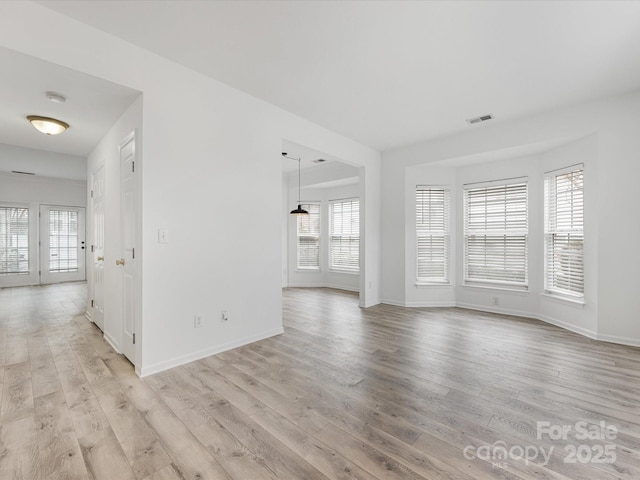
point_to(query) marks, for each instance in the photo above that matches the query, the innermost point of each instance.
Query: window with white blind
(495, 234)
(432, 234)
(344, 235)
(564, 231)
(14, 240)
(308, 232)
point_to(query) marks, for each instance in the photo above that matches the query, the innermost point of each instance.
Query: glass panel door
(62, 251)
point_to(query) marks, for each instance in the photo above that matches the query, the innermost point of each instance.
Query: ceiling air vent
(22, 173)
(483, 118)
(320, 160)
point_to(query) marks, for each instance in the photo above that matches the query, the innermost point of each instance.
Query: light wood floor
(382, 393)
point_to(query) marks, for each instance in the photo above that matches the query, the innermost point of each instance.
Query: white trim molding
(207, 352)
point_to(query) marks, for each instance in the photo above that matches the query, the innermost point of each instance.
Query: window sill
(432, 284)
(345, 272)
(501, 288)
(576, 302)
(308, 270)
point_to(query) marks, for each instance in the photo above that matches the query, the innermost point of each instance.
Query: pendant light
(299, 210)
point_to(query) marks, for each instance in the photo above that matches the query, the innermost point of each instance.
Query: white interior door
(128, 219)
(97, 250)
(62, 244)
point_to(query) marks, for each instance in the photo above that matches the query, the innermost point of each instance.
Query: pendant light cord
(299, 186)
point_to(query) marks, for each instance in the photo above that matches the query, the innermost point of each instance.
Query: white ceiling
(391, 73)
(307, 156)
(93, 105)
(315, 174)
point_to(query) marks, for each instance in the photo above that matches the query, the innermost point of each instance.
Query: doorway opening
(321, 249)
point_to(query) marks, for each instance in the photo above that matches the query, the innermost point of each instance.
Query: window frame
(424, 233)
(310, 207)
(511, 234)
(29, 253)
(32, 277)
(551, 231)
(351, 237)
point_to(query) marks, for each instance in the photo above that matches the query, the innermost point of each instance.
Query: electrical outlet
(224, 316)
(197, 321)
(494, 301)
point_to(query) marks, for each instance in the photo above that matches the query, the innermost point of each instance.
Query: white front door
(127, 263)
(97, 253)
(62, 244)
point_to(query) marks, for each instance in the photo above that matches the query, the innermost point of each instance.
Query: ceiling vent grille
(483, 118)
(320, 160)
(22, 173)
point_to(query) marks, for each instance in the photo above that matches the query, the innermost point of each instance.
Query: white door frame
(96, 231)
(127, 264)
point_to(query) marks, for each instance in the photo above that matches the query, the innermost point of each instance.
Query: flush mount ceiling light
(48, 126)
(299, 210)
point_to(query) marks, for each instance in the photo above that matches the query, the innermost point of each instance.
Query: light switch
(163, 235)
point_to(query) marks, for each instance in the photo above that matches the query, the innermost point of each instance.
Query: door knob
(120, 261)
(100, 259)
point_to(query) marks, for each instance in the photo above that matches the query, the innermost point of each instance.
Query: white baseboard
(394, 303)
(536, 316)
(306, 285)
(632, 342)
(621, 340)
(324, 285)
(87, 314)
(370, 303)
(567, 326)
(498, 310)
(191, 357)
(342, 287)
(430, 304)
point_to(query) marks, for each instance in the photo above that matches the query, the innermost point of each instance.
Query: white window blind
(344, 237)
(432, 234)
(309, 237)
(495, 234)
(14, 240)
(564, 231)
(63, 240)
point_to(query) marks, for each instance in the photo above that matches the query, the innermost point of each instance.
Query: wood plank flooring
(344, 393)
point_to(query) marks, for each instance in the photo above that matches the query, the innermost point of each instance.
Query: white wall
(17, 188)
(42, 163)
(324, 277)
(603, 136)
(212, 155)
